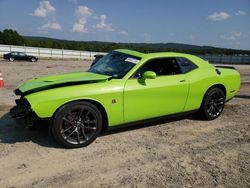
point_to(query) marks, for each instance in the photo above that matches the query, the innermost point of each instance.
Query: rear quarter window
(185, 64)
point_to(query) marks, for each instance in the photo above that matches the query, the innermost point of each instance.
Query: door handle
(182, 80)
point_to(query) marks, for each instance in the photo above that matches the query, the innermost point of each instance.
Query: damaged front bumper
(23, 113)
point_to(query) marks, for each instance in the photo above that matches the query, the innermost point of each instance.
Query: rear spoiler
(227, 67)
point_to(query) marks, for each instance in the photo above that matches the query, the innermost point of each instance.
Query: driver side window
(161, 66)
(21, 54)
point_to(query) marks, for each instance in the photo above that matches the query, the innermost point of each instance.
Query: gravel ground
(178, 152)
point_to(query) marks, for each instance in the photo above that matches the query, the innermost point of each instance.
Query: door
(14, 55)
(164, 95)
(22, 56)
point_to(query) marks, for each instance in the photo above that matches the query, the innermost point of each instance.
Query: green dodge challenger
(125, 87)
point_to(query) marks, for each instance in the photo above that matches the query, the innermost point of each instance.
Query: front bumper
(22, 113)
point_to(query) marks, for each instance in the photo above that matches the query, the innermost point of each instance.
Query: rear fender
(230, 78)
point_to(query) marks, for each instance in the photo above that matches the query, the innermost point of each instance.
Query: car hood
(54, 81)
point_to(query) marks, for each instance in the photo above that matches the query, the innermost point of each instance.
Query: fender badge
(113, 101)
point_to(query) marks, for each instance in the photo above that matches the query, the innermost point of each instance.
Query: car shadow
(242, 96)
(11, 132)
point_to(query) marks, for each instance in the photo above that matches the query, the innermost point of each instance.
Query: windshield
(115, 64)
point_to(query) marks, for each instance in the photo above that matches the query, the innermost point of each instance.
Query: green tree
(9, 36)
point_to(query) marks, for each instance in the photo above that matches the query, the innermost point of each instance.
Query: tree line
(11, 37)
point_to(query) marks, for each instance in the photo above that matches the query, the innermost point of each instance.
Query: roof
(197, 60)
(155, 54)
(131, 52)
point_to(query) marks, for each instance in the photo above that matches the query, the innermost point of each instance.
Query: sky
(219, 23)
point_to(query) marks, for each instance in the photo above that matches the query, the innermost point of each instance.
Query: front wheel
(33, 59)
(11, 59)
(213, 104)
(77, 124)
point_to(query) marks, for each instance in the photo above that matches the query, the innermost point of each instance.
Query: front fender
(45, 103)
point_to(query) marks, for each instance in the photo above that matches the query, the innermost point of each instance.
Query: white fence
(49, 53)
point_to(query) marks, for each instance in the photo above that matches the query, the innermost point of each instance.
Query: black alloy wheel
(77, 124)
(213, 104)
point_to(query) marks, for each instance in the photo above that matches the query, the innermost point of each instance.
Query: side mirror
(147, 75)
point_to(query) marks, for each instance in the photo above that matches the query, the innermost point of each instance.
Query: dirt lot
(178, 152)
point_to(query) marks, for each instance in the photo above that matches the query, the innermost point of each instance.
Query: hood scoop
(49, 80)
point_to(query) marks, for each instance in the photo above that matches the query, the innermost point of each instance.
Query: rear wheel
(11, 59)
(213, 104)
(33, 59)
(77, 124)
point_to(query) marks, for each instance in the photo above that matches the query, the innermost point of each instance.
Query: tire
(212, 104)
(33, 59)
(11, 59)
(77, 124)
